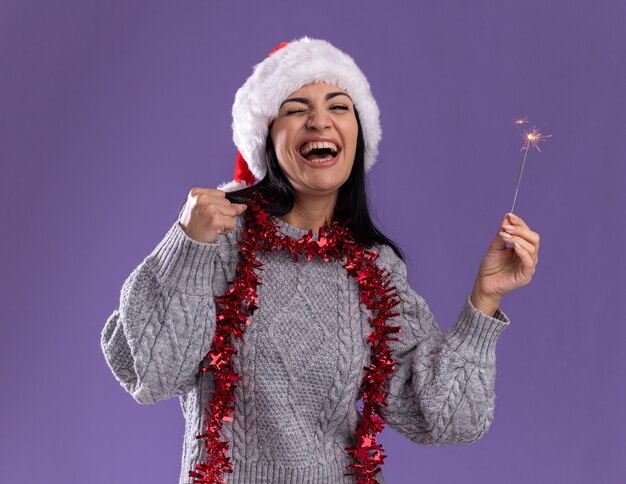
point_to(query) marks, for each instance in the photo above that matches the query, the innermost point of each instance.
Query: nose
(318, 119)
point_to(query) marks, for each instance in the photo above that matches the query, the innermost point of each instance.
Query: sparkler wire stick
(519, 178)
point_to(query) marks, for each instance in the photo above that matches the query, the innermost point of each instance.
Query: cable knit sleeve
(442, 390)
(165, 322)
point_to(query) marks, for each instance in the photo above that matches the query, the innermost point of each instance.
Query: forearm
(164, 324)
(458, 395)
(442, 389)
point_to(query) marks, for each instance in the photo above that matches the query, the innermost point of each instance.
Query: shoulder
(389, 260)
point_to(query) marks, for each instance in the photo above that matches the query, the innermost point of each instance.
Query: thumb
(498, 242)
(501, 239)
(240, 207)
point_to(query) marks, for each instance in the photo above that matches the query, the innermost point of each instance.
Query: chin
(322, 187)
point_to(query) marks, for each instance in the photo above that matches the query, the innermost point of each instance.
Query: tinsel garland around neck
(238, 303)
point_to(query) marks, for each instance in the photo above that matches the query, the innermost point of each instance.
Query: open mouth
(319, 151)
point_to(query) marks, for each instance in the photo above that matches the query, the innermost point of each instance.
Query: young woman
(272, 309)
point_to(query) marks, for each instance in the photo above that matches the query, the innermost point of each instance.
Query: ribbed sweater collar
(290, 231)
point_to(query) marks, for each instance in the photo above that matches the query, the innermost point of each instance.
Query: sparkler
(532, 138)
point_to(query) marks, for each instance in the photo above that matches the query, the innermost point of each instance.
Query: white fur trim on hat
(300, 62)
(232, 186)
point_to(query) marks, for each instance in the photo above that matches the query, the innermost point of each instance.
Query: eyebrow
(306, 101)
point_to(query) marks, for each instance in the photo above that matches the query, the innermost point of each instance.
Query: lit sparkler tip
(532, 138)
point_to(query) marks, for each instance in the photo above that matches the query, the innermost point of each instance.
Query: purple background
(112, 111)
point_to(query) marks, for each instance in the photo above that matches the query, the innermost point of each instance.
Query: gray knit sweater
(301, 358)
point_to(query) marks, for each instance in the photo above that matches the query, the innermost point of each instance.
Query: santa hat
(286, 69)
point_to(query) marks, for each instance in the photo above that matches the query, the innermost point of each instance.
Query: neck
(310, 213)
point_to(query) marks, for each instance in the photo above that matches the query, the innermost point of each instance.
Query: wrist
(486, 304)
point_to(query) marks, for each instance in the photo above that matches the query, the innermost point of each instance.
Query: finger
(523, 232)
(224, 202)
(528, 265)
(197, 191)
(514, 238)
(498, 241)
(225, 224)
(527, 246)
(231, 210)
(224, 206)
(213, 200)
(209, 196)
(240, 207)
(516, 220)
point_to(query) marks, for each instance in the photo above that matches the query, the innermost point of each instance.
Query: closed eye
(338, 107)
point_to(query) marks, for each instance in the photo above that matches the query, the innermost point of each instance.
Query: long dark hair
(351, 208)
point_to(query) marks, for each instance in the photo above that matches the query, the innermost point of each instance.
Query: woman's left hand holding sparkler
(504, 268)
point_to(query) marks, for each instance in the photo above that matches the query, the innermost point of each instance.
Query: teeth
(306, 149)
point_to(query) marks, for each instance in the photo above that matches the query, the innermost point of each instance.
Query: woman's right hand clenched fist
(208, 214)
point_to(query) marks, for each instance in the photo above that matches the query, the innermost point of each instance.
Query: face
(314, 136)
